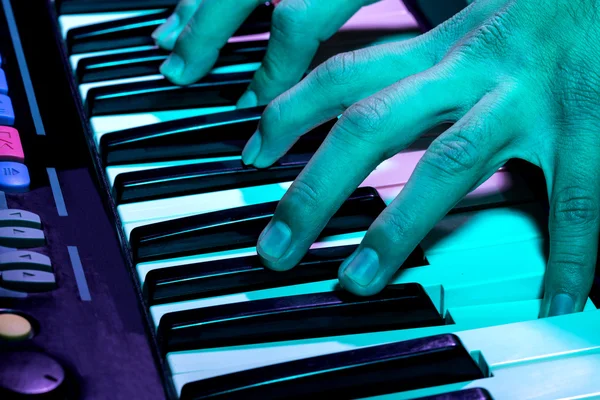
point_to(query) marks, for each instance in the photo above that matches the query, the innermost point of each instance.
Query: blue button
(14, 177)
(7, 114)
(3, 83)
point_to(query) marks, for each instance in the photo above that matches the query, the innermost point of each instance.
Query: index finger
(209, 29)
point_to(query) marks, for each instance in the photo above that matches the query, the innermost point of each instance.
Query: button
(21, 237)
(14, 177)
(23, 259)
(7, 114)
(3, 83)
(31, 375)
(12, 294)
(14, 327)
(28, 280)
(10, 145)
(15, 217)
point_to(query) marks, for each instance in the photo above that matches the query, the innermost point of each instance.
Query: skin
(519, 79)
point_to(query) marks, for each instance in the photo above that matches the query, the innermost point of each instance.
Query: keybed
(460, 320)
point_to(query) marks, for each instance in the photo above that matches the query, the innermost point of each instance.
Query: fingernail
(247, 100)
(252, 149)
(561, 304)
(362, 268)
(169, 26)
(275, 240)
(173, 66)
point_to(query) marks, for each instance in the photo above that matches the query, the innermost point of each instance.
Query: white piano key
(487, 272)
(75, 58)
(566, 378)
(502, 347)
(70, 21)
(111, 123)
(112, 172)
(500, 313)
(85, 87)
(389, 178)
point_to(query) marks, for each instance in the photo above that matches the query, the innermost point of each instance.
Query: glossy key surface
(147, 62)
(214, 90)
(122, 33)
(243, 274)
(467, 394)
(240, 227)
(214, 135)
(137, 31)
(161, 183)
(101, 6)
(377, 370)
(295, 317)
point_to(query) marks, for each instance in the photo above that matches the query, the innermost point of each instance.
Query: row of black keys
(399, 367)
(208, 136)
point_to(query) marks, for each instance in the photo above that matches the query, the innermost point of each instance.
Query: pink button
(10, 145)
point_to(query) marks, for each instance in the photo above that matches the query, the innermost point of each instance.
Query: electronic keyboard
(151, 287)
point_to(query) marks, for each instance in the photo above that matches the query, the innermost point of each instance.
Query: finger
(573, 228)
(452, 165)
(166, 35)
(367, 133)
(208, 30)
(347, 78)
(298, 28)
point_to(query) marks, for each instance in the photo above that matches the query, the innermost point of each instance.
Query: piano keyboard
(459, 321)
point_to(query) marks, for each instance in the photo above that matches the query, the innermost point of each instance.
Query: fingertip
(274, 241)
(173, 67)
(252, 148)
(358, 273)
(247, 100)
(168, 28)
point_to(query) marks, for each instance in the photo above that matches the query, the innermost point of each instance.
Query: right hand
(198, 29)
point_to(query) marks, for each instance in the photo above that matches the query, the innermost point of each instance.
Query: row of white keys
(487, 277)
(451, 237)
(385, 15)
(506, 306)
(544, 359)
(388, 178)
(456, 277)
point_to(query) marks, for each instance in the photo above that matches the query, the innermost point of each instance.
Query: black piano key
(118, 34)
(214, 90)
(137, 31)
(147, 62)
(371, 371)
(240, 227)
(466, 394)
(183, 180)
(212, 135)
(305, 316)
(98, 6)
(245, 274)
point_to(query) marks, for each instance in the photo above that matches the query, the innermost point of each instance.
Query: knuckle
(489, 39)
(289, 18)
(571, 263)
(338, 70)
(453, 154)
(367, 119)
(574, 206)
(396, 225)
(271, 116)
(304, 197)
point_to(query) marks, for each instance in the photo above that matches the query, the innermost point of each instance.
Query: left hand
(520, 79)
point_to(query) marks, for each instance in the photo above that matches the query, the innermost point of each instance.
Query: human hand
(520, 79)
(198, 29)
